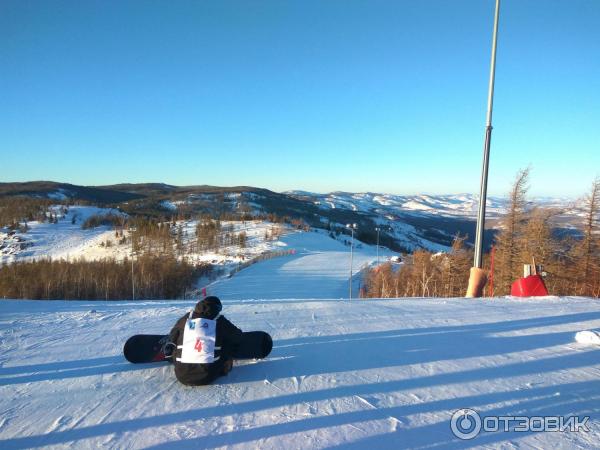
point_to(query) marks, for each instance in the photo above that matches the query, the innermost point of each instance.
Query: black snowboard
(255, 345)
(147, 348)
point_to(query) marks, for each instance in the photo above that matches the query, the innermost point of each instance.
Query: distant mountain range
(406, 222)
(460, 205)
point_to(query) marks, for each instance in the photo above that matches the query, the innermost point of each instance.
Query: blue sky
(385, 96)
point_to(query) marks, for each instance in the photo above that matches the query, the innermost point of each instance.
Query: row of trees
(14, 210)
(423, 274)
(208, 234)
(96, 220)
(153, 278)
(572, 263)
(153, 237)
(150, 237)
(160, 269)
(212, 235)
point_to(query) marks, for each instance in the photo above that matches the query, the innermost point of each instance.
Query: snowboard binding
(168, 348)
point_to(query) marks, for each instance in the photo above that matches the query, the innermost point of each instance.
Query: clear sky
(384, 96)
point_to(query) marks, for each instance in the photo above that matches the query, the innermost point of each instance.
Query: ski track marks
(361, 374)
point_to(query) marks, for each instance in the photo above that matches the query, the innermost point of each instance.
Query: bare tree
(508, 240)
(586, 254)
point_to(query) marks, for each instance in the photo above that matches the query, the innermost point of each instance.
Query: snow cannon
(531, 285)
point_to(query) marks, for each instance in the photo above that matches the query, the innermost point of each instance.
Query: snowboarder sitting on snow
(204, 342)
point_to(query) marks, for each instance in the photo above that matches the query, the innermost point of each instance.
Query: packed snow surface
(343, 374)
(588, 337)
(318, 268)
(363, 374)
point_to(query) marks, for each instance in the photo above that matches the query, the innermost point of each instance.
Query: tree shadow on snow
(565, 400)
(319, 355)
(18, 308)
(580, 398)
(62, 370)
(396, 348)
(541, 401)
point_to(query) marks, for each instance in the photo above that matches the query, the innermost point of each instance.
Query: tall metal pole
(377, 245)
(352, 228)
(132, 278)
(351, 258)
(478, 260)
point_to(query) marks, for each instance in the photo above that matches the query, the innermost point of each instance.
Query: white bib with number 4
(199, 338)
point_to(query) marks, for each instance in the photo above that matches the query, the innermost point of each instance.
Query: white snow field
(374, 374)
(65, 239)
(363, 374)
(319, 269)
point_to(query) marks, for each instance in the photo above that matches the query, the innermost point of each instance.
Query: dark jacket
(228, 336)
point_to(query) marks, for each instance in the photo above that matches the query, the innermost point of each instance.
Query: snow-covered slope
(64, 239)
(363, 374)
(231, 255)
(381, 374)
(319, 268)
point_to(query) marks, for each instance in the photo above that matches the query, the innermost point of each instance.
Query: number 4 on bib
(199, 337)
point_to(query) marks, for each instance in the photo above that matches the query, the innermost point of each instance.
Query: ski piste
(149, 348)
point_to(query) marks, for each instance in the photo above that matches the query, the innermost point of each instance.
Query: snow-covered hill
(362, 374)
(432, 221)
(407, 222)
(67, 239)
(63, 239)
(319, 268)
(453, 205)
